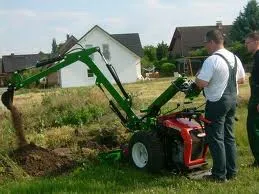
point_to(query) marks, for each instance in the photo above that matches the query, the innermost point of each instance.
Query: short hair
(253, 35)
(215, 35)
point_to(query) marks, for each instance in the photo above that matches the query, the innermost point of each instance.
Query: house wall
(178, 50)
(53, 79)
(1, 66)
(125, 62)
(138, 69)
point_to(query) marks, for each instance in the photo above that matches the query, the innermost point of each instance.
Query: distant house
(3, 76)
(186, 39)
(123, 51)
(12, 63)
(190, 38)
(55, 78)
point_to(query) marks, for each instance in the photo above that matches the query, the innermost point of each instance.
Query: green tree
(150, 53)
(240, 50)
(246, 22)
(54, 46)
(149, 57)
(161, 51)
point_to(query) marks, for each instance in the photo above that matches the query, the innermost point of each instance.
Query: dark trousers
(253, 130)
(220, 137)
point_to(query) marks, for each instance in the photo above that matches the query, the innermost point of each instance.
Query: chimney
(219, 25)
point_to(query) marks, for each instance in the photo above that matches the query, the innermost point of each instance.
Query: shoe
(213, 178)
(231, 177)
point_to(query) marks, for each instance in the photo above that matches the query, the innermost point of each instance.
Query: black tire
(153, 154)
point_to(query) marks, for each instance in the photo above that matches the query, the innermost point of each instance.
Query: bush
(167, 69)
(199, 52)
(79, 116)
(66, 107)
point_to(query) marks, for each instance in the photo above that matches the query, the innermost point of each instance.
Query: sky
(28, 26)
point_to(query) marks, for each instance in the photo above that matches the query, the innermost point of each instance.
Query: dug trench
(35, 160)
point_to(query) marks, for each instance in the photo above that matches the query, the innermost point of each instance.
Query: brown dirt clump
(18, 125)
(37, 161)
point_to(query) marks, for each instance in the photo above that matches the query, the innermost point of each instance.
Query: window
(106, 51)
(90, 73)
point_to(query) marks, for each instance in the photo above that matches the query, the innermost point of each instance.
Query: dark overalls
(219, 133)
(253, 115)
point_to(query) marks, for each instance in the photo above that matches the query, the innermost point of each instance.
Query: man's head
(214, 40)
(252, 42)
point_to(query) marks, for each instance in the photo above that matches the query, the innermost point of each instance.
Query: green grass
(121, 178)
(117, 178)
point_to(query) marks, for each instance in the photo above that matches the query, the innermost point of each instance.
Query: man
(219, 76)
(252, 44)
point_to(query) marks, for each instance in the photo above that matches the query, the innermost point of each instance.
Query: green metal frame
(133, 122)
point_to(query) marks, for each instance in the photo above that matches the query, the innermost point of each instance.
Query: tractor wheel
(146, 151)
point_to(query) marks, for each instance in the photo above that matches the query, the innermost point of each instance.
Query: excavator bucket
(7, 98)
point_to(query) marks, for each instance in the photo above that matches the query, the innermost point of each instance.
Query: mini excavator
(159, 141)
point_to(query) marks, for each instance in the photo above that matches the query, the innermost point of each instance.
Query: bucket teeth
(7, 98)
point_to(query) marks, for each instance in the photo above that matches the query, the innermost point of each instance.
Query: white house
(123, 51)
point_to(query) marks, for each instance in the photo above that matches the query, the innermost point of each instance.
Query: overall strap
(223, 57)
(231, 84)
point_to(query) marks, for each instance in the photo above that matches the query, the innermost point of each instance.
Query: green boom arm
(131, 121)
(18, 82)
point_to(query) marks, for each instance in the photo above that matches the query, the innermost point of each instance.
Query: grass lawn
(93, 177)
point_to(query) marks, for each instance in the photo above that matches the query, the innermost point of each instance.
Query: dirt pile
(37, 161)
(18, 125)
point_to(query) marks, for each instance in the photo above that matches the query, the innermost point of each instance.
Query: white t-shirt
(215, 71)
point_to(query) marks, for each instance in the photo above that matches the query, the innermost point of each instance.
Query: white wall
(138, 69)
(126, 63)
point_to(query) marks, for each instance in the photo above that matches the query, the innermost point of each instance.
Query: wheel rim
(139, 154)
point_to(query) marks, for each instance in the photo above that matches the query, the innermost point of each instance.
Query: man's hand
(241, 81)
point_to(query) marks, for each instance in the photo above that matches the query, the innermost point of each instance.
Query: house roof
(70, 42)
(194, 35)
(13, 62)
(131, 40)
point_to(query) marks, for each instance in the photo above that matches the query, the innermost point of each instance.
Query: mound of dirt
(37, 161)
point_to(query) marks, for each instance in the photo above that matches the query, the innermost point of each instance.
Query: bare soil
(37, 161)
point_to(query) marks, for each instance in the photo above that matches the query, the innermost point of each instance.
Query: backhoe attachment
(7, 98)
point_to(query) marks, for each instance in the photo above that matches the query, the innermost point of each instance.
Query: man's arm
(201, 83)
(241, 80)
(240, 72)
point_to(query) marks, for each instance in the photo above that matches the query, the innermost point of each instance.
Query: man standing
(219, 76)
(252, 44)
